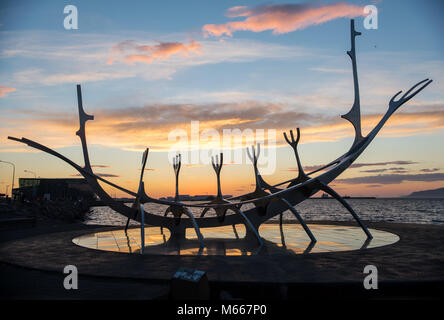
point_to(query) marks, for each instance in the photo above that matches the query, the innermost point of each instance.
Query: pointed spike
(249, 155)
(145, 155)
(179, 162)
(292, 136)
(405, 94)
(393, 98)
(417, 91)
(286, 138)
(212, 162)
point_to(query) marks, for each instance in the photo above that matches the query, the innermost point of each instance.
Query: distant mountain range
(436, 193)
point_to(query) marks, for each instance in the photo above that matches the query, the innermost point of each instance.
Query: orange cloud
(133, 128)
(131, 59)
(5, 90)
(147, 54)
(281, 18)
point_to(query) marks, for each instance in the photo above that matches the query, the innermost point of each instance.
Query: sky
(149, 70)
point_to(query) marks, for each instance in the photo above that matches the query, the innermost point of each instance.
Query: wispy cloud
(33, 76)
(149, 53)
(372, 164)
(393, 178)
(430, 170)
(103, 175)
(331, 70)
(82, 77)
(368, 164)
(91, 58)
(394, 170)
(282, 18)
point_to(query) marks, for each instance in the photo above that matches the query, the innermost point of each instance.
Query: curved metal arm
(140, 190)
(335, 195)
(249, 225)
(301, 221)
(196, 227)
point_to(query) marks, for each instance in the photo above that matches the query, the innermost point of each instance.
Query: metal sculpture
(268, 200)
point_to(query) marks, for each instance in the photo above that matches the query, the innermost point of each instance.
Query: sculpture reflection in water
(266, 201)
(289, 239)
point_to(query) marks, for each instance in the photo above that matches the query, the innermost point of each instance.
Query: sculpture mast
(83, 117)
(354, 115)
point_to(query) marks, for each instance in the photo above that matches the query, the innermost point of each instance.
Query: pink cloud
(147, 54)
(132, 58)
(239, 11)
(5, 90)
(281, 18)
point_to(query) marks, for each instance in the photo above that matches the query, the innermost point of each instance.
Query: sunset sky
(150, 67)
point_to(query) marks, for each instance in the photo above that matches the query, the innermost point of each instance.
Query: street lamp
(32, 172)
(13, 174)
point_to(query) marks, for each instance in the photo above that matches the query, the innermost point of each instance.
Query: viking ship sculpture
(267, 200)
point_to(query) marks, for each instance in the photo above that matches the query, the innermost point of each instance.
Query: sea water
(424, 211)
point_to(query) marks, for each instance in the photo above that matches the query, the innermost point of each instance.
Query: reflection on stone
(229, 240)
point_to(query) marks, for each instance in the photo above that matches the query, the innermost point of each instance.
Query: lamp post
(13, 174)
(32, 172)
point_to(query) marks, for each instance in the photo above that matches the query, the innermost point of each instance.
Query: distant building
(203, 197)
(53, 189)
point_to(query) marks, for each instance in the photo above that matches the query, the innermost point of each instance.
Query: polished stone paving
(228, 240)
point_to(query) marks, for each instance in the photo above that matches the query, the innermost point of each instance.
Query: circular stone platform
(226, 240)
(417, 256)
